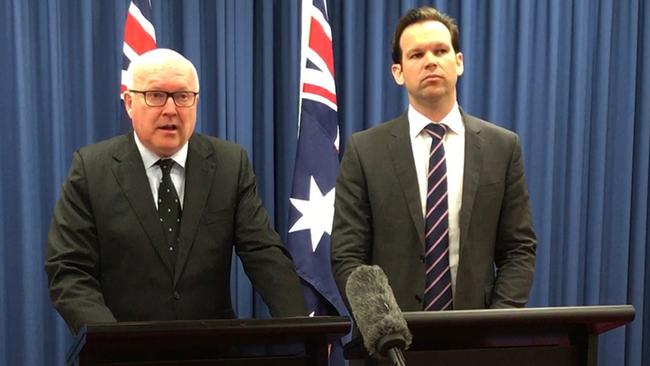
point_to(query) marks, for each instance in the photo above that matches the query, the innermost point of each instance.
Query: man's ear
(460, 66)
(398, 75)
(128, 102)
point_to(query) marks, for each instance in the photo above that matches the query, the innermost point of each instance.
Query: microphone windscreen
(374, 308)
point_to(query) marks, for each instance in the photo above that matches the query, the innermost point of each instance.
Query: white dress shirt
(154, 173)
(454, 144)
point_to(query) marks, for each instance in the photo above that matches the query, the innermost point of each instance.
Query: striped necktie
(437, 293)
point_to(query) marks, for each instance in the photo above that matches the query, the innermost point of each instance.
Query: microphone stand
(391, 345)
(396, 356)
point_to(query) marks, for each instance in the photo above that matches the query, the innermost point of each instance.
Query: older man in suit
(436, 197)
(146, 222)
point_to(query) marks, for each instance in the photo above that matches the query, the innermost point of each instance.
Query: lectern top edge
(597, 319)
(318, 322)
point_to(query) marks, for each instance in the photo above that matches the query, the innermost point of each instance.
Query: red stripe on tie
(437, 297)
(436, 262)
(434, 134)
(439, 182)
(435, 205)
(435, 282)
(438, 242)
(433, 227)
(432, 170)
(435, 149)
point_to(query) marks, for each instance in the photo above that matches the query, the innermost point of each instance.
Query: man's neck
(435, 110)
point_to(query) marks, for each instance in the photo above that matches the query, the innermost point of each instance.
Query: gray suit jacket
(378, 216)
(107, 259)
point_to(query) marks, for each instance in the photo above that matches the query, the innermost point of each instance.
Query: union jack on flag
(316, 166)
(139, 35)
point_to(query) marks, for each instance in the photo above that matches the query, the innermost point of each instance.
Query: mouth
(169, 127)
(432, 78)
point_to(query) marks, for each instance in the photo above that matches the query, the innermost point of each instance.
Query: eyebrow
(421, 47)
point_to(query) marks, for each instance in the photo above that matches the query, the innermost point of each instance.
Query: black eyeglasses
(158, 98)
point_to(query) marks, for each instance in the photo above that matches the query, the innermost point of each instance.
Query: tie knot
(165, 165)
(436, 130)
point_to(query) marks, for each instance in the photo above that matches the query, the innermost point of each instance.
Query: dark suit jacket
(107, 259)
(378, 216)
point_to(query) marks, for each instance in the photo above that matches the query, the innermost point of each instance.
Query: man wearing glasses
(146, 222)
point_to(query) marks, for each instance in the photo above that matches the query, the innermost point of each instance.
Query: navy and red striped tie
(437, 293)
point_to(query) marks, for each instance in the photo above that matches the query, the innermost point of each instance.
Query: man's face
(430, 67)
(165, 129)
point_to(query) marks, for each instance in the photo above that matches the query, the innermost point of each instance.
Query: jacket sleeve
(72, 259)
(266, 261)
(516, 242)
(352, 227)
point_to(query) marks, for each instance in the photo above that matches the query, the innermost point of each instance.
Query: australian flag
(139, 35)
(316, 167)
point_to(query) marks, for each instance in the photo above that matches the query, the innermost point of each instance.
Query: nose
(430, 58)
(169, 107)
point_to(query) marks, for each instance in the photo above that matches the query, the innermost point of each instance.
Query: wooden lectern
(560, 336)
(280, 341)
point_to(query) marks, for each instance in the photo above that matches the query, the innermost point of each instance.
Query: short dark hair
(419, 15)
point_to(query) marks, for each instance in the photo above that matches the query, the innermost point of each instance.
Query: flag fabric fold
(316, 167)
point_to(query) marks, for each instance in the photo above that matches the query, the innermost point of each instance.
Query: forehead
(419, 34)
(165, 76)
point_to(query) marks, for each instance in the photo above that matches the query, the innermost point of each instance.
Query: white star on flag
(317, 213)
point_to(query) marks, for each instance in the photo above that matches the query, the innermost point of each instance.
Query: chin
(167, 150)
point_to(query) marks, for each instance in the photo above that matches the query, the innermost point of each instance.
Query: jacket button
(177, 296)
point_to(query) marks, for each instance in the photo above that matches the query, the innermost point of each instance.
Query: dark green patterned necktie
(169, 208)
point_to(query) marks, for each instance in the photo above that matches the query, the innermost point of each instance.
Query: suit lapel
(199, 172)
(402, 158)
(130, 174)
(472, 173)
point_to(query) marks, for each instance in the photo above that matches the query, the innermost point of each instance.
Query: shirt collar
(149, 158)
(453, 121)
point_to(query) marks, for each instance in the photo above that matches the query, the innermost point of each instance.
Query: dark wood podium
(279, 341)
(560, 336)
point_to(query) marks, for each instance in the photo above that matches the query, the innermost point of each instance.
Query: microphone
(377, 314)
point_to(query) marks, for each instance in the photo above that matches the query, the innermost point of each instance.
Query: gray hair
(158, 56)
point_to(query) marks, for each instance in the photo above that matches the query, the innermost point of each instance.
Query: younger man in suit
(146, 222)
(436, 197)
